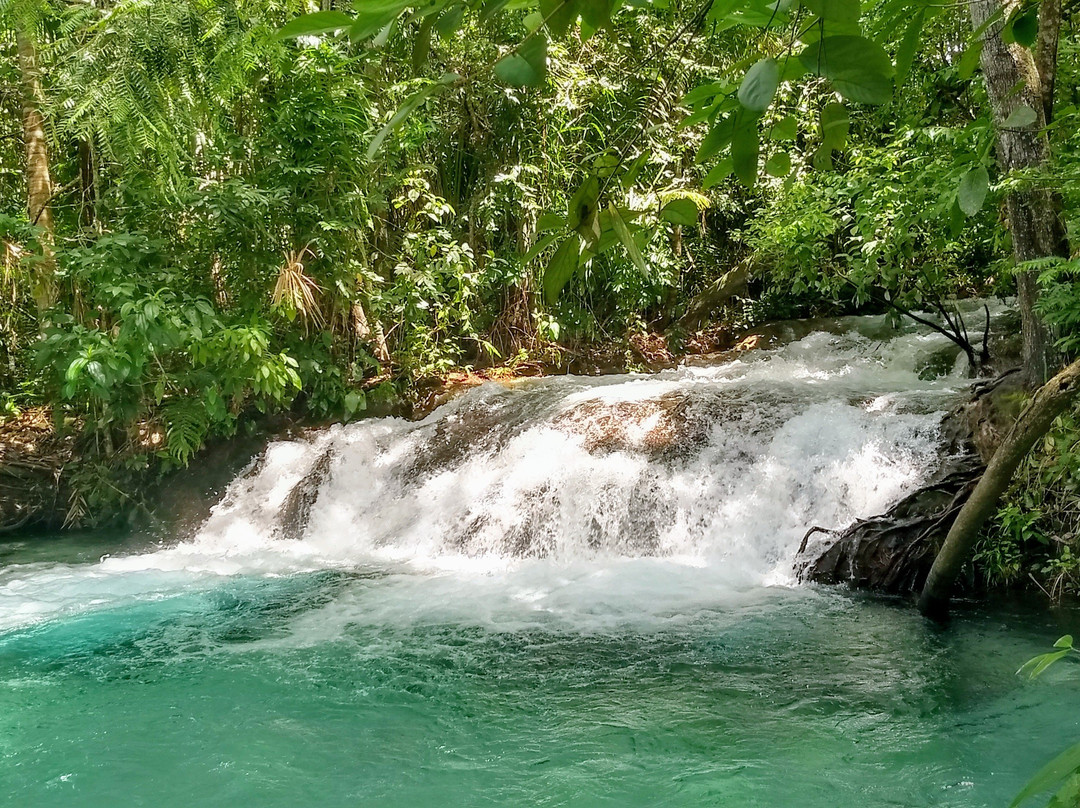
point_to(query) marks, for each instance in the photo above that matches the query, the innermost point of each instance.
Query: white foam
(518, 490)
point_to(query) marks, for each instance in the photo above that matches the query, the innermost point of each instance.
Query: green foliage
(1063, 772)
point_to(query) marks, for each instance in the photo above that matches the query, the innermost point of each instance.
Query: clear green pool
(542, 688)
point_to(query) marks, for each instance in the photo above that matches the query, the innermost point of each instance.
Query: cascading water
(712, 472)
(565, 592)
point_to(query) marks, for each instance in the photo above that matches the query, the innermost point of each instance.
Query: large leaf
(582, 206)
(857, 68)
(680, 211)
(596, 13)
(785, 129)
(779, 165)
(1023, 26)
(559, 15)
(627, 240)
(720, 172)
(321, 22)
(373, 16)
(561, 269)
(1021, 117)
(972, 191)
(526, 66)
(539, 247)
(1052, 773)
(841, 11)
(909, 46)
(407, 109)
(718, 139)
(835, 125)
(744, 151)
(759, 85)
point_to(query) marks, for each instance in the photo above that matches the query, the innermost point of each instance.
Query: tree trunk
(1046, 52)
(38, 182)
(713, 296)
(1013, 80)
(1049, 402)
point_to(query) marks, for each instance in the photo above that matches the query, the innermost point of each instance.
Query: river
(561, 592)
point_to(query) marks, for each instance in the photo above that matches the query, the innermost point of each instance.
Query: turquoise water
(379, 687)
(568, 592)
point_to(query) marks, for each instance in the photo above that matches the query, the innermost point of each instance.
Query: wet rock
(296, 510)
(891, 552)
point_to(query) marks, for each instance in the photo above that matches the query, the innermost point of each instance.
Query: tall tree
(39, 188)
(1021, 97)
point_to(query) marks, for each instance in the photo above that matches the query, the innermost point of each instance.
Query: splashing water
(694, 482)
(563, 592)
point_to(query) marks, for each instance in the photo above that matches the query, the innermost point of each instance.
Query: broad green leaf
(759, 85)
(721, 9)
(972, 191)
(374, 15)
(744, 151)
(559, 15)
(680, 211)
(909, 46)
(582, 205)
(606, 164)
(835, 124)
(596, 13)
(1069, 794)
(822, 159)
(965, 69)
(841, 11)
(627, 240)
(720, 172)
(1023, 27)
(785, 129)
(526, 66)
(321, 22)
(407, 108)
(1021, 117)
(1052, 773)
(717, 139)
(450, 20)
(539, 247)
(550, 221)
(705, 92)
(1064, 642)
(633, 171)
(857, 68)
(779, 165)
(561, 269)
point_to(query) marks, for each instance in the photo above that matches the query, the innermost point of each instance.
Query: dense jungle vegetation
(216, 210)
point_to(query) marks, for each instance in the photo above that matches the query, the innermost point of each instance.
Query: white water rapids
(607, 495)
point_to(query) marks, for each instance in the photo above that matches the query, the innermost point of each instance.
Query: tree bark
(714, 296)
(1046, 52)
(38, 182)
(1013, 80)
(1035, 421)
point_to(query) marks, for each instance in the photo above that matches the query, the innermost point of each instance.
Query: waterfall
(715, 469)
(725, 465)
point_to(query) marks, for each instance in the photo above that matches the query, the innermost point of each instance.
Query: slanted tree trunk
(1013, 80)
(38, 182)
(714, 296)
(1049, 402)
